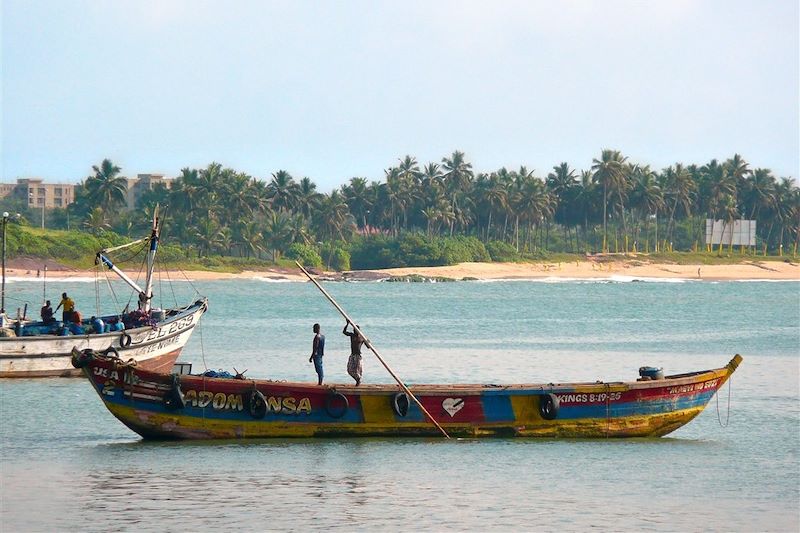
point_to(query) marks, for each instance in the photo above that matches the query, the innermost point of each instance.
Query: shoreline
(573, 270)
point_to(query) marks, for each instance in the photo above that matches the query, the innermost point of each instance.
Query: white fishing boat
(153, 338)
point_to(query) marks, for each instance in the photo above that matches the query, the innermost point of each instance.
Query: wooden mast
(371, 347)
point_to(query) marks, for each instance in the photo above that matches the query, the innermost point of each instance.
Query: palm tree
(431, 176)
(252, 238)
(609, 171)
(408, 168)
(679, 189)
(458, 179)
(334, 216)
(730, 213)
(395, 189)
(647, 198)
(495, 195)
(238, 197)
(785, 211)
(282, 190)
(535, 203)
(759, 191)
(307, 198)
(209, 236)
(276, 233)
(561, 182)
(107, 188)
(358, 198)
(96, 221)
(718, 183)
(431, 214)
(298, 230)
(739, 169)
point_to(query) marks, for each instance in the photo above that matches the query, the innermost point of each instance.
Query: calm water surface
(67, 464)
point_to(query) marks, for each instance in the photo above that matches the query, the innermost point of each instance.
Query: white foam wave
(628, 279)
(610, 279)
(76, 279)
(766, 280)
(277, 280)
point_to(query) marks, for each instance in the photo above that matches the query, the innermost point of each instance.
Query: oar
(371, 347)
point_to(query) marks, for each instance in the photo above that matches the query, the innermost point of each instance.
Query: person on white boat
(97, 324)
(354, 364)
(69, 307)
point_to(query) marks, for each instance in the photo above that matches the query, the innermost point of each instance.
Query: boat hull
(161, 406)
(154, 348)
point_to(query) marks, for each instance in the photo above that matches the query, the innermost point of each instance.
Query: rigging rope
(160, 288)
(113, 295)
(197, 293)
(169, 282)
(97, 290)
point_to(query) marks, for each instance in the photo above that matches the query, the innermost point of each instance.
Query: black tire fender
(548, 406)
(400, 404)
(256, 405)
(336, 404)
(124, 340)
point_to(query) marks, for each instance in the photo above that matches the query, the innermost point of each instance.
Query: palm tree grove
(444, 212)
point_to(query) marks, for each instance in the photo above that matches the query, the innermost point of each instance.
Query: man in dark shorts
(69, 307)
(317, 351)
(354, 367)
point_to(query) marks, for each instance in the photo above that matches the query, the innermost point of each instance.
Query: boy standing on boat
(317, 351)
(69, 307)
(354, 367)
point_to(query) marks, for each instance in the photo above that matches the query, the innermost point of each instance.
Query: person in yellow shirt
(69, 307)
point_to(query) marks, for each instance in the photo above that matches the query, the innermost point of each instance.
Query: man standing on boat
(354, 367)
(69, 307)
(47, 312)
(317, 352)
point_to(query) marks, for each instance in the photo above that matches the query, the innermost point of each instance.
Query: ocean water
(68, 465)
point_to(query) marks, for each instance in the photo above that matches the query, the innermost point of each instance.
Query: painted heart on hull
(452, 405)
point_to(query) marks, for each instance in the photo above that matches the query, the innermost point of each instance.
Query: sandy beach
(626, 269)
(620, 270)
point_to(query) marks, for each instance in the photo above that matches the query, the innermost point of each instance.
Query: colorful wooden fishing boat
(173, 406)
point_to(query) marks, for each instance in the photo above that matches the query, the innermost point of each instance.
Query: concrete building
(142, 183)
(38, 194)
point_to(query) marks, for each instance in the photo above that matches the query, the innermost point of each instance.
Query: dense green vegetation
(433, 214)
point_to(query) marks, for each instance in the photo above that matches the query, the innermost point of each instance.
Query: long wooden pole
(371, 347)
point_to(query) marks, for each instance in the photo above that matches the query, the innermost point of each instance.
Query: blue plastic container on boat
(651, 372)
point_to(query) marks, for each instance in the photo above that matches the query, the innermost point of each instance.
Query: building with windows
(142, 183)
(38, 194)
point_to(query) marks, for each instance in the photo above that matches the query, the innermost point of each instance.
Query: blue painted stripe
(497, 408)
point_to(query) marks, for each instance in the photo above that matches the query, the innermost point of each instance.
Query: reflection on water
(67, 464)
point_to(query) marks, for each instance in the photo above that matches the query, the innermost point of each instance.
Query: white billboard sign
(738, 233)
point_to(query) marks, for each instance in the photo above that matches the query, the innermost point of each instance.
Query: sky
(337, 89)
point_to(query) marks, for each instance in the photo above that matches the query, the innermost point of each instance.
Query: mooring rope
(728, 414)
(202, 347)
